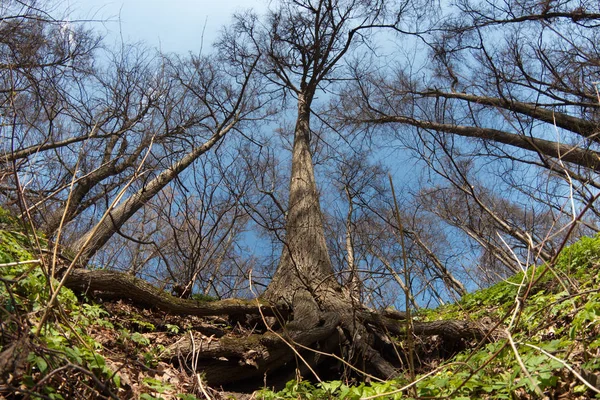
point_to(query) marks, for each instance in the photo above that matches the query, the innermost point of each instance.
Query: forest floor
(543, 325)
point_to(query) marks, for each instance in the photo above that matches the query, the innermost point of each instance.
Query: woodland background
(453, 146)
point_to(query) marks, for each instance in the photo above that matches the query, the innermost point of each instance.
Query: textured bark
(13, 360)
(305, 278)
(330, 324)
(449, 330)
(305, 262)
(233, 359)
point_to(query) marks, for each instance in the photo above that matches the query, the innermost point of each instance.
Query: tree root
(120, 285)
(318, 339)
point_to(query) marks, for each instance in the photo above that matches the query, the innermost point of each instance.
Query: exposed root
(314, 342)
(120, 285)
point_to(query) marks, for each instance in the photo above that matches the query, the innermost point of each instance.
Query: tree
(130, 119)
(371, 246)
(301, 45)
(533, 89)
(529, 76)
(505, 87)
(220, 120)
(43, 60)
(295, 53)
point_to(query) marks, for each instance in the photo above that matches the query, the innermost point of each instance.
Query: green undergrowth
(61, 344)
(544, 335)
(65, 359)
(546, 338)
(84, 349)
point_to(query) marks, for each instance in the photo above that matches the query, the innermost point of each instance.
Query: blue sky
(171, 25)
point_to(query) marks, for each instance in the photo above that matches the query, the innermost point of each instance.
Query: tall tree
(302, 44)
(528, 73)
(516, 75)
(221, 102)
(298, 52)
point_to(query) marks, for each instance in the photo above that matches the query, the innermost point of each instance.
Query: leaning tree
(510, 87)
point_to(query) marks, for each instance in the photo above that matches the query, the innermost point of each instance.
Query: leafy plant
(156, 385)
(173, 329)
(14, 246)
(186, 397)
(143, 325)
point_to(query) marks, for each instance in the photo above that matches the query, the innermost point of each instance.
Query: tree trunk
(305, 262)
(93, 240)
(305, 278)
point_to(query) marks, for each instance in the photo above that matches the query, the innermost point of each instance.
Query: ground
(542, 341)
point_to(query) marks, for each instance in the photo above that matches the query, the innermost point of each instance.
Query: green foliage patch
(556, 324)
(63, 342)
(14, 246)
(331, 390)
(65, 356)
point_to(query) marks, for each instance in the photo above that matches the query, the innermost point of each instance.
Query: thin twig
(567, 366)
(14, 264)
(407, 294)
(538, 390)
(204, 392)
